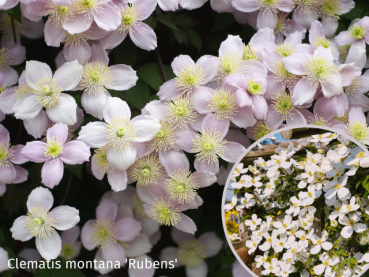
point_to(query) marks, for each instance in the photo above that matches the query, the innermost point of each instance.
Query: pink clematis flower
(166, 211)
(55, 152)
(322, 117)
(235, 59)
(124, 136)
(249, 91)
(45, 91)
(106, 232)
(317, 38)
(192, 252)
(286, 26)
(262, 128)
(306, 12)
(191, 76)
(210, 144)
(12, 55)
(223, 104)
(268, 10)
(97, 77)
(330, 10)
(71, 246)
(42, 223)
(24, 28)
(85, 12)
(7, 98)
(180, 185)
(132, 16)
(10, 155)
(318, 71)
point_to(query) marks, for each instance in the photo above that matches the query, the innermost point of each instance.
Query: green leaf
(309, 261)
(185, 21)
(194, 38)
(151, 75)
(75, 170)
(181, 36)
(223, 21)
(166, 20)
(139, 95)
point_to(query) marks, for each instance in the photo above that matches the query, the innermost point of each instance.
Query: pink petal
(65, 217)
(110, 18)
(303, 92)
(296, 63)
(96, 169)
(35, 151)
(181, 62)
(92, 102)
(107, 209)
(169, 90)
(211, 65)
(118, 180)
(211, 123)
(143, 36)
(7, 174)
(127, 229)
(69, 75)
(245, 6)
(49, 247)
(75, 152)
(233, 151)
(296, 119)
(245, 117)
(80, 52)
(184, 141)
(40, 197)
(87, 238)
(186, 224)
(26, 107)
(176, 160)
(232, 45)
(333, 86)
(113, 39)
(147, 7)
(201, 97)
(205, 167)
(22, 175)
(18, 157)
(19, 230)
(356, 115)
(37, 126)
(58, 131)
(274, 85)
(124, 77)
(212, 242)
(259, 107)
(178, 236)
(267, 19)
(70, 236)
(53, 35)
(205, 179)
(114, 253)
(252, 66)
(52, 172)
(79, 23)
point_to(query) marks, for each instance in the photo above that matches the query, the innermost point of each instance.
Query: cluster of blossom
(289, 191)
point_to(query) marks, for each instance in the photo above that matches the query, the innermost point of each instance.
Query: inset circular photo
(296, 204)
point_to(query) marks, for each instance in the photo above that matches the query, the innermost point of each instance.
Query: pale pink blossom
(14, 54)
(45, 91)
(71, 246)
(10, 155)
(286, 26)
(210, 144)
(268, 10)
(191, 76)
(114, 229)
(124, 137)
(42, 223)
(317, 38)
(132, 15)
(264, 127)
(318, 72)
(97, 77)
(55, 152)
(105, 14)
(206, 246)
